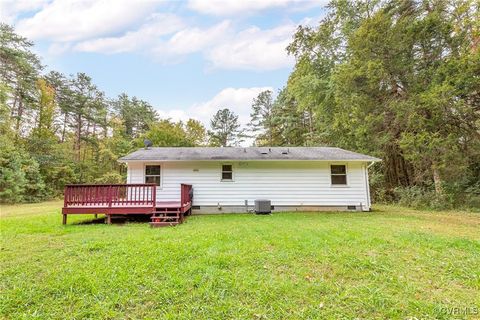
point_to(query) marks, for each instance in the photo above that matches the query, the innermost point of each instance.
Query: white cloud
(57, 49)
(196, 39)
(149, 38)
(223, 48)
(11, 9)
(174, 115)
(239, 100)
(143, 38)
(254, 49)
(231, 7)
(113, 26)
(70, 20)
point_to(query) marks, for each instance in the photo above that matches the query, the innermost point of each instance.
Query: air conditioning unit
(263, 206)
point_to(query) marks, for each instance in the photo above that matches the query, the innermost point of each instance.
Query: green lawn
(390, 263)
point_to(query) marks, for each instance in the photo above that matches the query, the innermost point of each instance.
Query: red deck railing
(110, 195)
(123, 199)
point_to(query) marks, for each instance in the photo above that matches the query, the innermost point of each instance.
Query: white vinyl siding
(292, 183)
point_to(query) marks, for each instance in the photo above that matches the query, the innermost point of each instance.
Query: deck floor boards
(158, 204)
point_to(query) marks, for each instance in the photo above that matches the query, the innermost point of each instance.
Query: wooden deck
(126, 199)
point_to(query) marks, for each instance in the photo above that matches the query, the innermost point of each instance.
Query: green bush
(472, 196)
(57, 177)
(426, 198)
(418, 197)
(20, 178)
(111, 177)
(378, 191)
(34, 189)
(12, 178)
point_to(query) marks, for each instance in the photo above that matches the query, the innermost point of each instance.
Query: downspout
(367, 186)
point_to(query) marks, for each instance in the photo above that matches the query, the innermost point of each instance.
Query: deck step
(165, 216)
(163, 224)
(169, 212)
(154, 218)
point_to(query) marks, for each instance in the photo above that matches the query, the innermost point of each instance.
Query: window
(152, 174)
(339, 174)
(227, 172)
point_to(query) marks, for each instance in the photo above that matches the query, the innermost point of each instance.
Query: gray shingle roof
(248, 153)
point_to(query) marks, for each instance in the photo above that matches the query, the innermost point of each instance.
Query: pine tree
(225, 129)
(262, 121)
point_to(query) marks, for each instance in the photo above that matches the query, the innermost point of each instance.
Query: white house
(230, 179)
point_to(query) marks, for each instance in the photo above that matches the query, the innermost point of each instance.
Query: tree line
(397, 79)
(57, 129)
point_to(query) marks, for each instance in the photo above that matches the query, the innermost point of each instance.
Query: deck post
(66, 195)
(154, 197)
(109, 193)
(109, 219)
(64, 218)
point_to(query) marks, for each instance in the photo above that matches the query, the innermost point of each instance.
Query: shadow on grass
(93, 221)
(116, 219)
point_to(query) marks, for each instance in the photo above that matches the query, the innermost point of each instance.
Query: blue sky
(187, 58)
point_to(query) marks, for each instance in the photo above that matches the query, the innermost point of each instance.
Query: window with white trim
(227, 172)
(152, 174)
(338, 174)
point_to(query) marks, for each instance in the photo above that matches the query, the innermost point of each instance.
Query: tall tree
(395, 79)
(19, 70)
(6, 131)
(86, 101)
(42, 141)
(165, 133)
(45, 110)
(262, 119)
(195, 132)
(289, 121)
(225, 129)
(135, 114)
(62, 98)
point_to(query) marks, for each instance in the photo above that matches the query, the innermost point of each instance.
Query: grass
(391, 263)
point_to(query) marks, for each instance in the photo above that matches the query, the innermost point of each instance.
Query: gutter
(240, 160)
(371, 164)
(367, 184)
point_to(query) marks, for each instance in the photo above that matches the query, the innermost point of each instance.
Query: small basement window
(338, 174)
(152, 174)
(227, 172)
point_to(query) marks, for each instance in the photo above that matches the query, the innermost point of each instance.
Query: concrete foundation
(244, 209)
